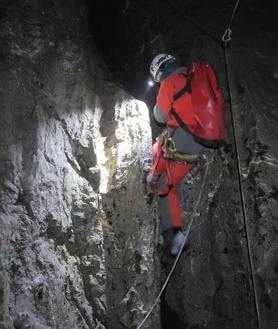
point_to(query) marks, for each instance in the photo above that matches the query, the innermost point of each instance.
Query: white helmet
(158, 61)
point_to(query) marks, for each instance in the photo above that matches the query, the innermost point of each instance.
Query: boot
(177, 242)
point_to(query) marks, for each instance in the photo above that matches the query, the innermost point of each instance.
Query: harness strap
(169, 175)
(186, 89)
(168, 166)
(180, 122)
(157, 158)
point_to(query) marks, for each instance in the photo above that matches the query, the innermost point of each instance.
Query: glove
(152, 181)
(149, 178)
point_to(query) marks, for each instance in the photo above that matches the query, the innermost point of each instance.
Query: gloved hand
(149, 178)
(152, 181)
(161, 138)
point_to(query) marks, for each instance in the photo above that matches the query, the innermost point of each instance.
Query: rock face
(76, 232)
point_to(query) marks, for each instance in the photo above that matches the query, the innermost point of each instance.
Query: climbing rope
(242, 199)
(180, 251)
(234, 13)
(226, 38)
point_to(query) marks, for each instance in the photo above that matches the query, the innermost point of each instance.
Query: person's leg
(178, 170)
(169, 174)
(170, 210)
(171, 220)
(169, 203)
(170, 206)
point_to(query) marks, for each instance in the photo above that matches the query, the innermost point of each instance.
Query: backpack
(208, 106)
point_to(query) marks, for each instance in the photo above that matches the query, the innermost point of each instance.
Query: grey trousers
(184, 142)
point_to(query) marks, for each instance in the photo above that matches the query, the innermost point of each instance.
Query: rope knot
(226, 38)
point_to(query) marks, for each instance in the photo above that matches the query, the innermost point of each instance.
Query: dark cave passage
(105, 18)
(124, 39)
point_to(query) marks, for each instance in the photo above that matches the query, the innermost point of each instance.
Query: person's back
(169, 87)
(176, 80)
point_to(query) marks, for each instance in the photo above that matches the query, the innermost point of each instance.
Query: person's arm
(159, 115)
(164, 102)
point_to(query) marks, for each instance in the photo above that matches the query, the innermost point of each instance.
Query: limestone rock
(69, 139)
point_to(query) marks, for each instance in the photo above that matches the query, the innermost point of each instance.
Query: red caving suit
(166, 172)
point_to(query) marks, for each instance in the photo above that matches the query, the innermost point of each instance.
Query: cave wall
(76, 232)
(214, 285)
(254, 82)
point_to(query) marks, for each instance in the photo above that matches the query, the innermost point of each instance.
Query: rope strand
(242, 194)
(233, 16)
(226, 38)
